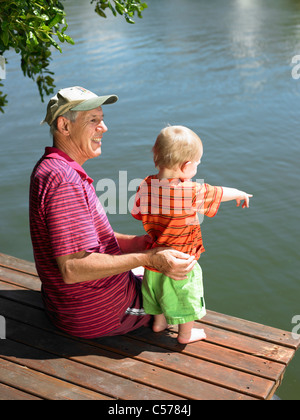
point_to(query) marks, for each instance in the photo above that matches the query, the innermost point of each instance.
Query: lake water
(222, 68)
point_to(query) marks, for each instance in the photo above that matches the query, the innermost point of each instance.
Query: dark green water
(222, 68)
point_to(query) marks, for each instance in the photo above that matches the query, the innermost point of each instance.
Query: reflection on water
(224, 70)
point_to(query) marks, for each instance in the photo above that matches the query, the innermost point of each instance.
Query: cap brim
(93, 103)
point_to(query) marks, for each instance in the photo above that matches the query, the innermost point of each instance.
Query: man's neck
(65, 145)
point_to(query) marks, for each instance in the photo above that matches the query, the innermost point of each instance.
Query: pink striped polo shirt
(66, 217)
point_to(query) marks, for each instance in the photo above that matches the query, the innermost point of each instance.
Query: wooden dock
(239, 360)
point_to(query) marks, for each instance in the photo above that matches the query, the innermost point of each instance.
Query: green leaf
(60, 36)
(111, 8)
(100, 12)
(31, 39)
(54, 21)
(129, 20)
(63, 22)
(5, 38)
(120, 8)
(69, 39)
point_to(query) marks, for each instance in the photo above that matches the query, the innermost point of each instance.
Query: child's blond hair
(176, 145)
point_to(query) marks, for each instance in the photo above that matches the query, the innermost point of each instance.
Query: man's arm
(234, 194)
(83, 266)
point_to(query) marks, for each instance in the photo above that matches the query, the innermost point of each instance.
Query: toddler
(170, 205)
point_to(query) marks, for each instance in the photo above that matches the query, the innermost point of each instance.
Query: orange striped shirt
(171, 211)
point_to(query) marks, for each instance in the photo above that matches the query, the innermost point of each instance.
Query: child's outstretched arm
(230, 194)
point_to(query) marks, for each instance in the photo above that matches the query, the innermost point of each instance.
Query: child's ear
(185, 166)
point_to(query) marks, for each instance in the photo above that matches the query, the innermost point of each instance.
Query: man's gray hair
(70, 115)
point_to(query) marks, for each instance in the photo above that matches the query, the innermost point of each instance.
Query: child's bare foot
(194, 335)
(160, 323)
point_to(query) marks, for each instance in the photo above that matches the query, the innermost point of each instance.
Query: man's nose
(102, 127)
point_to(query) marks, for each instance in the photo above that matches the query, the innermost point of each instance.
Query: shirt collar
(54, 153)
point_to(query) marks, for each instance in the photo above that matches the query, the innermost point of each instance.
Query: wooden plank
(205, 351)
(28, 315)
(18, 264)
(215, 354)
(225, 340)
(230, 378)
(21, 294)
(238, 360)
(246, 344)
(212, 318)
(41, 385)
(245, 327)
(18, 278)
(225, 357)
(113, 363)
(11, 309)
(8, 393)
(252, 329)
(111, 386)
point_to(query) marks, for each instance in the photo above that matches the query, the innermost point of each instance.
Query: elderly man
(88, 286)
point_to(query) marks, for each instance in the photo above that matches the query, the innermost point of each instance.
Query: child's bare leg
(160, 323)
(188, 334)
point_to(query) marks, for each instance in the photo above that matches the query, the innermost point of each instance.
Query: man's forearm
(83, 266)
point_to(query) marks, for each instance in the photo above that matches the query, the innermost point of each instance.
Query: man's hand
(172, 263)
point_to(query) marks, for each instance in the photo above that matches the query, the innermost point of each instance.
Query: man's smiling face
(86, 134)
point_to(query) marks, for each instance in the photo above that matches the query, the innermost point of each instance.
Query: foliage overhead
(32, 27)
(126, 8)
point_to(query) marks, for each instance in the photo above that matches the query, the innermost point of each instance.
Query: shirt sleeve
(69, 220)
(208, 199)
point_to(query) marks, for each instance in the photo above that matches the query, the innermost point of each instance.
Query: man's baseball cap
(75, 98)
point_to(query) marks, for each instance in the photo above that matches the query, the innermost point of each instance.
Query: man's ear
(63, 125)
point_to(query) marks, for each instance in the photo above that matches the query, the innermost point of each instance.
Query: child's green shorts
(180, 301)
